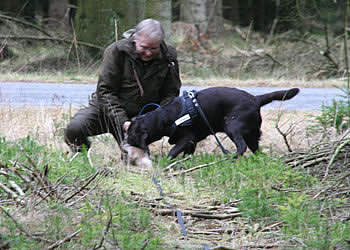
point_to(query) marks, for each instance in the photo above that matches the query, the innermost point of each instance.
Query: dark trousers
(87, 122)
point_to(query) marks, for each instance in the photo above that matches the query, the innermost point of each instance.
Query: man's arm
(109, 81)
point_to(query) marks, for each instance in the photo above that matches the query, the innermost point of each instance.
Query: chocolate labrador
(229, 110)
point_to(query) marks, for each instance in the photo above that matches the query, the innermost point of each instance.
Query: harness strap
(138, 81)
(204, 118)
(188, 97)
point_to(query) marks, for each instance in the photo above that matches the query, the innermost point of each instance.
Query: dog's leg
(234, 134)
(253, 142)
(185, 145)
(190, 147)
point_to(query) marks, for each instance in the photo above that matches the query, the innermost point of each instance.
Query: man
(135, 71)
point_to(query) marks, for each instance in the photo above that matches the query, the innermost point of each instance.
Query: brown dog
(229, 110)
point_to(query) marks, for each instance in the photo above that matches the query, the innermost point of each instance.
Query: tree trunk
(136, 11)
(59, 15)
(94, 21)
(205, 13)
(161, 11)
(231, 11)
(259, 15)
(215, 18)
(194, 12)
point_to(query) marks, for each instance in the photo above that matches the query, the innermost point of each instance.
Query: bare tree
(215, 18)
(207, 14)
(59, 14)
(160, 10)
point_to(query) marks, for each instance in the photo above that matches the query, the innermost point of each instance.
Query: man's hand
(126, 125)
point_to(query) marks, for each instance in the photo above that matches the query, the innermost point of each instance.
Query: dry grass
(46, 126)
(280, 83)
(214, 81)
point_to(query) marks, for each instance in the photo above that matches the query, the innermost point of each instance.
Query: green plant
(253, 179)
(25, 158)
(125, 225)
(303, 220)
(336, 115)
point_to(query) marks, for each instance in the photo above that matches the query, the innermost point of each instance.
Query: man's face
(146, 48)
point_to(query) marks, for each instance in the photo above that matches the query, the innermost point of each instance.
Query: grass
(120, 206)
(63, 77)
(267, 190)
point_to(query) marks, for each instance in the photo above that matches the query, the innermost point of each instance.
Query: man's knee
(75, 138)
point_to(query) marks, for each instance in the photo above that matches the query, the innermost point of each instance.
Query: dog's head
(137, 133)
(137, 156)
(135, 143)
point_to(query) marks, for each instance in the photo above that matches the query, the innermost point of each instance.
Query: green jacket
(118, 93)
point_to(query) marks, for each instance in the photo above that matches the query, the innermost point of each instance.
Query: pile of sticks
(29, 185)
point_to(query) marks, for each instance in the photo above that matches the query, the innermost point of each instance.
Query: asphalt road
(56, 94)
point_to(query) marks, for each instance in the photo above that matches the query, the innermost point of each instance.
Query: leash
(147, 105)
(177, 212)
(202, 115)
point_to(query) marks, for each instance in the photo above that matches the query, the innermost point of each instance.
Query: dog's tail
(281, 95)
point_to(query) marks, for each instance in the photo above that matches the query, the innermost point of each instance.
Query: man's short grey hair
(150, 29)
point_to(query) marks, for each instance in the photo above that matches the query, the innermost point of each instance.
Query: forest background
(235, 39)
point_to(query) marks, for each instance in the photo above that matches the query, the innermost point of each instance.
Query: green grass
(27, 153)
(103, 216)
(268, 191)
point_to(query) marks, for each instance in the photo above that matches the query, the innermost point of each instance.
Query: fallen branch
(53, 39)
(68, 238)
(176, 162)
(8, 191)
(334, 156)
(90, 179)
(195, 168)
(16, 187)
(200, 214)
(109, 223)
(25, 23)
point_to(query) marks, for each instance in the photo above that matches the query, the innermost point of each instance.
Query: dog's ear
(142, 142)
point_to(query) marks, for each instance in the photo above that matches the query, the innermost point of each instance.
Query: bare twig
(284, 134)
(194, 168)
(334, 156)
(90, 179)
(108, 225)
(8, 191)
(176, 162)
(68, 238)
(22, 229)
(80, 198)
(53, 39)
(25, 23)
(17, 188)
(145, 244)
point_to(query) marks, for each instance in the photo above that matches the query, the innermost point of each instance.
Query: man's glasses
(149, 48)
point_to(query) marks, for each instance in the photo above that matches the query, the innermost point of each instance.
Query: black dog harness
(189, 113)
